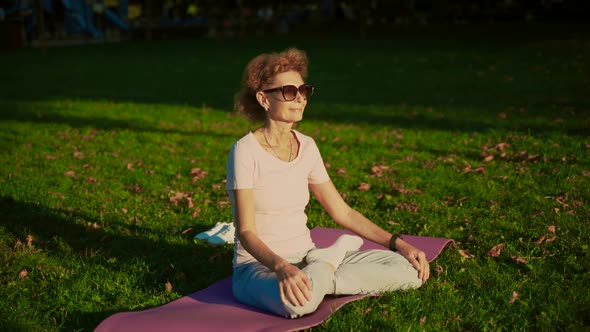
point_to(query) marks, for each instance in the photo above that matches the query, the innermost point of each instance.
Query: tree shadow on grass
(190, 267)
(433, 69)
(459, 120)
(51, 115)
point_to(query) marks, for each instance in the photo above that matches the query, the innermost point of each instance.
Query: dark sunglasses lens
(306, 90)
(289, 92)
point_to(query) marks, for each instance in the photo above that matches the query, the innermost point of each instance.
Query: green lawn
(113, 158)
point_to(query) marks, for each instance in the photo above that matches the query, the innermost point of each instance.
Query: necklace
(273, 149)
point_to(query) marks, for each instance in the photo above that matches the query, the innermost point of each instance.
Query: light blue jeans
(361, 272)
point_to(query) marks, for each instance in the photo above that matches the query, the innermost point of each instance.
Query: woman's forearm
(362, 226)
(259, 250)
(246, 225)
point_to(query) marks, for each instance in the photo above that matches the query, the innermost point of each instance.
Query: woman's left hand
(417, 258)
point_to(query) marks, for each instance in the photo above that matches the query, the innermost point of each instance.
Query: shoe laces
(226, 230)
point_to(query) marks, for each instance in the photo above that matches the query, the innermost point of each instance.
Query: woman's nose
(299, 97)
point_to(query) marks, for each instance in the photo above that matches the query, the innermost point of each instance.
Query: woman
(270, 172)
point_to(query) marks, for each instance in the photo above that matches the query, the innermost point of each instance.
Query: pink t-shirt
(281, 193)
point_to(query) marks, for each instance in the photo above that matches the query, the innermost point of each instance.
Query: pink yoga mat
(214, 308)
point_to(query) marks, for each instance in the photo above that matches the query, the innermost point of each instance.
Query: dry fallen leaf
(70, 173)
(465, 253)
(520, 260)
(124, 210)
(513, 298)
(92, 180)
(439, 269)
(168, 286)
(488, 158)
(422, 320)
(187, 230)
(411, 207)
(364, 186)
(540, 240)
(366, 311)
(452, 201)
(196, 212)
(496, 250)
(480, 169)
(60, 195)
(178, 196)
(23, 274)
(377, 170)
(198, 174)
(551, 229)
(404, 191)
(29, 240)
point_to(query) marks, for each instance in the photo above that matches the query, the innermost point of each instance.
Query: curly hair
(261, 70)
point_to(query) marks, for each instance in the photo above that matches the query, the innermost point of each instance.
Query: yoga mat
(214, 308)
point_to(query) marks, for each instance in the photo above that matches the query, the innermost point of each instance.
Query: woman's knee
(302, 310)
(410, 283)
(406, 277)
(317, 295)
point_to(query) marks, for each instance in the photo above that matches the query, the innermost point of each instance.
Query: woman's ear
(262, 100)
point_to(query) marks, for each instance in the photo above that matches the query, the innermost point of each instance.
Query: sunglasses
(290, 91)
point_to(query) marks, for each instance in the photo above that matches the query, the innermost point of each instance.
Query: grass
(103, 149)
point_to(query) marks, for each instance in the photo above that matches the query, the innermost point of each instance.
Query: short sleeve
(318, 173)
(240, 167)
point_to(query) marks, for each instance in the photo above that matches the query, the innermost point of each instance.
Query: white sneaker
(205, 235)
(225, 235)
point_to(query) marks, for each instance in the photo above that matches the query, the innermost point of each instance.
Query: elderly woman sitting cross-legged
(270, 173)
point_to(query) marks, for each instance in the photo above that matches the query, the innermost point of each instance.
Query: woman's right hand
(294, 285)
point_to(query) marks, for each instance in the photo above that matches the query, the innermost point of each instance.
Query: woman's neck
(277, 132)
